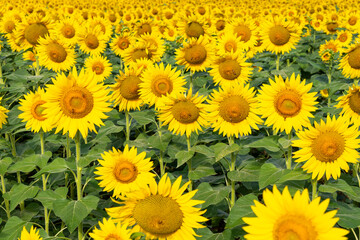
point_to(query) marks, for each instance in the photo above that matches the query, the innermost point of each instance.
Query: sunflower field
(179, 120)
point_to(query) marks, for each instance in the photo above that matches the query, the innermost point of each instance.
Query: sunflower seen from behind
(233, 110)
(124, 172)
(161, 211)
(286, 104)
(100, 66)
(328, 147)
(283, 217)
(76, 103)
(158, 81)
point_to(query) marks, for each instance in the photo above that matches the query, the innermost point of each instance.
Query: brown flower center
(161, 86)
(354, 102)
(234, 109)
(98, 68)
(56, 52)
(68, 31)
(194, 29)
(195, 54)
(343, 37)
(352, 20)
(141, 53)
(288, 103)
(123, 43)
(354, 58)
(243, 32)
(9, 26)
(158, 215)
(91, 41)
(230, 46)
(112, 17)
(77, 102)
(129, 88)
(37, 110)
(293, 227)
(185, 112)
(169, 15)
(144, 28)
(328, 146)
(220, 25)
(331, 27)
(125, 172)
(229, 69)
(34, 31)
(279, 35)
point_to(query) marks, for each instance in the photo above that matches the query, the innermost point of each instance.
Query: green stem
(44, 180)
(356, 170)
(329, 82)
(18, 174)
(289, 157)
(78, 179)
(68, 151)
(127, 125)
(232, 168)
(161, 160)
(7, 204)
(37, 70)
(191, 80)
(314, 189)
(189, 162)
(356, 237)
(277, 62)
(1, 75)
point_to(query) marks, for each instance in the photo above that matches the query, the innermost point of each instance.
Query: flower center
(56, 52)
(125, 172)
(194, 29)
(352, 20)
(34, 31)
(230, 46)
(112, 18)
(328, 146)
(91, 41)
(169, 15)
(68, 31)
(343, 37)
(331, 27)
(123, 43)
(37, 110)
(129, 88)
(229, 69)
(354, 58)
(354, 101)
(112, 236)
(294, 228)
(201, 10)
(279, 35)
(185, 112)
(9, 26)
(220, 25)
(195, 54)
(98, 68)
(234, 109)
(158, 215)
(161, 86)
(141, 53)
(144, 28)
(77, 102)
(288, 103)
(243, 32)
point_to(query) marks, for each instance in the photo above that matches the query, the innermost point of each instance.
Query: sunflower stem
(356, 237)
(289, 157)
(161, 160)
(127, 123)
(44, 180)
(232, 168)
(356, 170)
(277, 62)
(18, 174)
(329, 81)
(189, 162)
(314, 189)
(37, 70)
(191, 80)
(78, 179)
(68, 151)
(1, 75)
(7, 203)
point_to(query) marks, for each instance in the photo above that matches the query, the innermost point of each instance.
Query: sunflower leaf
(13, 228)
(144, 117)
(183, 156)
(56, 166)
(211, 196)
(222, 150)
(349, 216)
(269, 174)
(340, 185)
(242, 208)
(48, 197)
(19, 193)
(4, 164)
(269, 143)
(249, 173)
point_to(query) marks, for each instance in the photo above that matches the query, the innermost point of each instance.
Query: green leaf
(225, 235)
(56, 166)
(72, 212)
(144, 117)
(270, 143)
(242, 208)
(13, 228)
(211, 196)
(106, 130)
(42, 160)
(340, 185)
(349, 216)
(19, 193)
(202, 171)
(269, 174)
(205, 150)
(293, 175)
(183, 156)
(47, 197)
(249, 173)
(160, 142)
(221, 150)
(4, 164)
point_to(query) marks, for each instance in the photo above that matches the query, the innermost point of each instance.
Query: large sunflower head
(350, 62)
(109, 230)
(287, 104)
(350, 104)
(76, 103)
(328, 147)
(161, 211)
(91, 40)
(124, 172)
(120, 43)
(184, 113)
(285, 217)
(100, 66)
(233, 110)
(158, 81)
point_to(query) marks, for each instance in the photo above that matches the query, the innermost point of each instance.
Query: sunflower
(286, 105)
(279, 35)
(126, 90)
(230, 69)
(245, 30)
(140, 50)
(192, 26)
(196, 54)
(285, 217)
(184, 113)
(161, 211)
(16, 44)
(32, 107)
(91, 40)
(76, 103)
(142, 64)
(105, 26)
(344, 38)
(350, 105)
(158, 81)
(100, 66)
(110, 230)
(120, 43)
(67, 30)
(232, 110)
(171, 33)
(155, 43)
(124, 172)
(328, 147)
(9, 22)
(352, 22)
(143, 27)
(32, 235)
(229, 43)
(349, 63)
(55, 55)
(3, 115)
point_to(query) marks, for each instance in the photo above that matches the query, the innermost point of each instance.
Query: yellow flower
(32, 235)
(110, 231)
(91, 40)
(284, 217)
(100, 66)
(349, 63)
(120, 43)
(245, 30)
(3, 115)
(350, 105)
